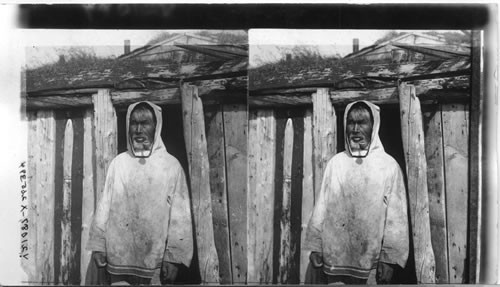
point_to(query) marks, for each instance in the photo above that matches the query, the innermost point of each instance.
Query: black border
(247, 16)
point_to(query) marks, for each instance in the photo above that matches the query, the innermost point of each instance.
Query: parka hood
(157, 142)
(375, 143)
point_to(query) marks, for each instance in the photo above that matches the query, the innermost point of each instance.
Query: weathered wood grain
(261, 165)
(105, 136)
(324, 135)
(33, 157)
(437, 196)
(58, 102)
(307, 191)
(474, 161)
(235, 140)
(456, 157)
(279, 100)
(285, 222)
(76, 196)
(301, 97)
(199, 174)
(416, 170)
(88, 200)
(218, 189)
(376, 96)
(296, 198)
(159, 97)
(45, 170)
(67, 253)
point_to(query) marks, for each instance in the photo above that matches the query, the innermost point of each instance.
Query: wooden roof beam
(377, 96)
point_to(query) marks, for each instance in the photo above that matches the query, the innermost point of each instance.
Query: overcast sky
(267, 44)
(45, 44)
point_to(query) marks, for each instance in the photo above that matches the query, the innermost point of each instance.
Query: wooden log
(159, 97)
(199, 173)
(45, 170)
(66, 92)
(300, 97)
(474, 161)
(307, 191)
(33, 159)
(324, 135)
(88, 200)
(67, 253)
(306, 90)
(58, 102)
(261, 164)
(456, 148)
(235, 140)
(285, 242)
(376, 96)
(105, 136)
(416, 171)
(435, 185)
(218, 188)
(279, 100)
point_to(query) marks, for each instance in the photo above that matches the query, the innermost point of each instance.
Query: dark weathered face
(359, 129)
(142, 128)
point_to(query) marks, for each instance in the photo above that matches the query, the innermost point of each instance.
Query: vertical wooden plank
(217, 162)
(88, 191)
(105, 136)
(235, 140)
(67, 253)
(45, 169)
(199, 174)
(474, 174)
(281, 116)
(324, 134)
(456, 147)
(76, 197)
(33, 153)
(61, 119)
(307, 191)
(416, 171)
(261, 162)
(435, 184)
(296, 198)
(285, 260)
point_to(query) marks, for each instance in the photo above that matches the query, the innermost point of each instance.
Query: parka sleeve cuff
(96, 244)
(172, 257)
(396, 259)
(313, 247)
(313, 244)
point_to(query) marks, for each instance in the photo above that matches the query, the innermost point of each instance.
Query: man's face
(142, 129)
(359, 129)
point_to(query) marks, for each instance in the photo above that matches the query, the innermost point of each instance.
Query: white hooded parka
(144, 216)
(360, 216)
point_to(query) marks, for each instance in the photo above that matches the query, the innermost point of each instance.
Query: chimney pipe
(355, 45)
(126, 48)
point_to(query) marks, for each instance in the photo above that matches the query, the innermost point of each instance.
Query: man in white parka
(358, 231)
(142, 226)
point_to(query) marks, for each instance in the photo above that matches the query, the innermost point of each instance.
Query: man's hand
(100, 259)
(168, 272)
(316, 259)
(384, 273)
